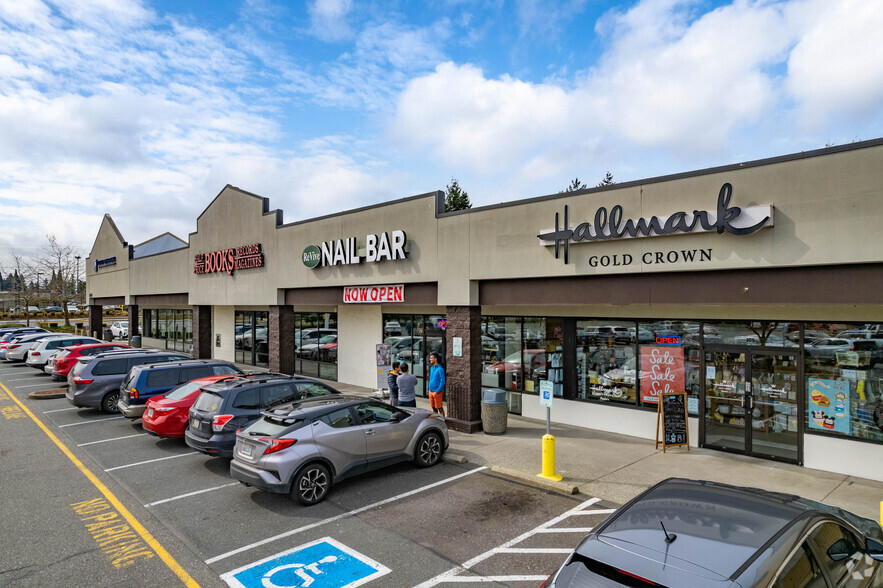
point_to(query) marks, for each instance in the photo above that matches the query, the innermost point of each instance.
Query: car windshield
(182, 391)
(270, 426)
(63, 353)
(208, 402)
(328, 339)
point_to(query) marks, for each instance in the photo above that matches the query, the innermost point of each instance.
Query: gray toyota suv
(95, 381)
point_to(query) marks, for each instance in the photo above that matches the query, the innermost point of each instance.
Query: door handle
(369, 432)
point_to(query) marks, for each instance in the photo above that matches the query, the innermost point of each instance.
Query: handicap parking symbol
(325, 563)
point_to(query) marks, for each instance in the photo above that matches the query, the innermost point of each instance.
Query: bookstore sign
(229, 260)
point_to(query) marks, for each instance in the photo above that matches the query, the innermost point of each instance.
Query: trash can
(494, 411)
(136, 341)
(108, 335)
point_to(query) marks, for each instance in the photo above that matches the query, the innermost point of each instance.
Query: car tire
(429, 450)
(311, 484)
(109, 402)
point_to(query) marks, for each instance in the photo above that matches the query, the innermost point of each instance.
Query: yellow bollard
(881, 514)
(549, 459)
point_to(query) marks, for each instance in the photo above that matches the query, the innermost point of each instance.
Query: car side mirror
(839, 550)
(875, 549)
(398, 417)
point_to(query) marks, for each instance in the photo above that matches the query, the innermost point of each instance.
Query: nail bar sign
(229, 260)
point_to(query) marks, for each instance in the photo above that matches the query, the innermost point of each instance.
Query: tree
(456, 198)
(574, 186)
(61, 263)
(607, 181)
(24, 287)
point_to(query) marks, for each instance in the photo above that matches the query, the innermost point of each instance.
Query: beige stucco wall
(166, 273)
(223, 325)
(111, 280)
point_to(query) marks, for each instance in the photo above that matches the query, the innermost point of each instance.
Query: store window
(669, 360)
(315, 343)
(606, 363)
(171, 325)
(843, 365)
(754, 333)
(501, 355)
(251, 337)
(411, 339)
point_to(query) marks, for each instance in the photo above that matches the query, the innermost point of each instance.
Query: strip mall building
(755, 289)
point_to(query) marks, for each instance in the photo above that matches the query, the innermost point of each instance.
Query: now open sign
(373, 294)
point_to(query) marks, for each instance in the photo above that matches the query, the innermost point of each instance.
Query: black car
(144, 382)
(699, 534)
(226, 406)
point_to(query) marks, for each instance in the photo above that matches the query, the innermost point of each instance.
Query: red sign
(373, 294)
(229, 260)
(662, 371)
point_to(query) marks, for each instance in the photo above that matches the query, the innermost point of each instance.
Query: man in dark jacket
(392, 384)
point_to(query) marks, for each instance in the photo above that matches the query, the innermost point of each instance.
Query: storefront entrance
(752, 403)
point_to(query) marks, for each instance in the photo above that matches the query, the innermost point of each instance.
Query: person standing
(436, 384)
(406, 383)
(392, 384)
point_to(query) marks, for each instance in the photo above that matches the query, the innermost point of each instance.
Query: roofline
(185, 243)
(678, 176)
(265, 204)
(438, 194)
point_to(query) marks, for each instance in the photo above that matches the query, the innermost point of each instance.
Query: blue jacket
(436, 379)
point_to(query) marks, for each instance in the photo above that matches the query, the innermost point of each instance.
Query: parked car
(325, 346)
(9, 333)
(45, 349)
(60, 365)
(226, 406)
(119, 329)
(168, 415)
(531, 360)
(18, 348)
(641, 335)
(826, 349)
(94, 382)
(143, 382)
(54, 309)
(701, 534)
(72, 308)
(303, 448)
(392, 328)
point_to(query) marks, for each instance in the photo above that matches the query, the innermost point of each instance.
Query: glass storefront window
(411, 339)
(174, 326)
(606, 365)
(501, 356)
(843, 365)
(760, 333)
(315, 342)
(680, 339)
(250, 335)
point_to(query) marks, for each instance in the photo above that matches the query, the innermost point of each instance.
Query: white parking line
(190, 494)
(451, 575)
(43, 385)
(341, 516)
(131, 465)
(567, 530)
(90, 422)
(114, 439)
(595, 512)
(501, 579)
(61, 409)
(23, 380)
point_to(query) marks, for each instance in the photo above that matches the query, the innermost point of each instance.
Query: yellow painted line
(133, 522)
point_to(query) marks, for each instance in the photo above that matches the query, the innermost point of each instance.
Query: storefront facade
(755, 289)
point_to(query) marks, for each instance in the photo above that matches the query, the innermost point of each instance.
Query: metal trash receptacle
(135, 341)
(494, 411)
(108, 335)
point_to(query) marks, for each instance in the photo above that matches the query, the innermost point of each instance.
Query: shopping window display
(501, 355)
(843, 367)
(606, 364)
(173, 326)
(669, 360)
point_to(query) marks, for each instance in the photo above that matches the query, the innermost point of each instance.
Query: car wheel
(429, 450)
(311, 484)
(109, 402)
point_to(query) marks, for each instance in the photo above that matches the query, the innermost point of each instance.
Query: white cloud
(329, 19)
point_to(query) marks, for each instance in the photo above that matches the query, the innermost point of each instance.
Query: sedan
(119, 329)
(700, 534)
(305, 447)
(167, 415)
(60, 365)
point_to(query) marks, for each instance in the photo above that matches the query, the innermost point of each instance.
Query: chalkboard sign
(672, 414)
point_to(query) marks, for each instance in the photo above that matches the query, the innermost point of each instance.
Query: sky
(146, 109)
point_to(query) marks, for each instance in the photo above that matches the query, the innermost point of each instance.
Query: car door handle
(369, 431)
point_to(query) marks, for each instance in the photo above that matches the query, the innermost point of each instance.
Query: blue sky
(145, 110)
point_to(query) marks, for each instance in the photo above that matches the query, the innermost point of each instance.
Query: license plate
(150, 412)
(194, 423)
(245, 449)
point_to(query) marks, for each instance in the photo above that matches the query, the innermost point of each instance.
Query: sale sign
(662, 371)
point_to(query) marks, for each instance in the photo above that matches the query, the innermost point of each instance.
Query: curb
(560, 487)
(40, 396)
(453, 458)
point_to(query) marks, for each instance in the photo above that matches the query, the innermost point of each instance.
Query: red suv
(60, 365)
(167, 416)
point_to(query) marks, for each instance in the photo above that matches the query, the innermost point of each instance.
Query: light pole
(77, 282)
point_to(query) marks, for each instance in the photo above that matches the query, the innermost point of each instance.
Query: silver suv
(304, 447)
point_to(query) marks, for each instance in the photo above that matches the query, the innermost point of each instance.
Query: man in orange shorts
(436, 384)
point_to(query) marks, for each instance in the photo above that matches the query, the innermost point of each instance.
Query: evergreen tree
(574, 186)
(456, 198)
(607, 181)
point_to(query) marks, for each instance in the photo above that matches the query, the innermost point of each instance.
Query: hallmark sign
(609, 225)
(229, 260)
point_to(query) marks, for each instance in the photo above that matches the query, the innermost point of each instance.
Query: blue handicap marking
(324, 563)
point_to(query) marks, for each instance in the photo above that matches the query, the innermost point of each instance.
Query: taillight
(277, 444)
(133, 393)
(219, 421)
(79, 380)
(164, 409)
(36, 353)
(13, 346)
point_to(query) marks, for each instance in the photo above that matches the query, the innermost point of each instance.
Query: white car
(72, 308)
(119, 329)
(39, 355)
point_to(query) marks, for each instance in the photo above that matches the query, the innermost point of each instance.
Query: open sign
(668, 340)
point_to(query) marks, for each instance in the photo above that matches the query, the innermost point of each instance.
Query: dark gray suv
(95, 381)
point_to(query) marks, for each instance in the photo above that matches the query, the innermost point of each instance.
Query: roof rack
(264, 377)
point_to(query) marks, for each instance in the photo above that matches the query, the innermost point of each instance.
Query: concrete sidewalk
(616, 468)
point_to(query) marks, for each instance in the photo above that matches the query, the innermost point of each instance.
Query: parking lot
(403, 526)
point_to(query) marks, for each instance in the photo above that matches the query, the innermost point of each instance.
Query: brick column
(133, 320)
(281, 339)
(463, 374)
(202, 332)
(96, 324)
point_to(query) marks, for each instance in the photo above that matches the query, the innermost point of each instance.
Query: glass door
(751, 403)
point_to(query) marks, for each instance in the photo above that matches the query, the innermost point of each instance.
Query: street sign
(546, 388)
(320, 564)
